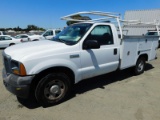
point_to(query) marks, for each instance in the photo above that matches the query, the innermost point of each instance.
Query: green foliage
(29, 28)
(34, 27)
(17, 29)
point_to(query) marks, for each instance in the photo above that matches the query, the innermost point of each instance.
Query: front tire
(140, 66)
(53, 89)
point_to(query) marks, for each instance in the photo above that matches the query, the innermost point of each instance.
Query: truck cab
(50, 33)
(80, 51)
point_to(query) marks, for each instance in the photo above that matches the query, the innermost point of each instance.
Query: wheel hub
(140, 66)
(55, 89)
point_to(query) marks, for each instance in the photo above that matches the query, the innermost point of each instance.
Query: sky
(47, 13)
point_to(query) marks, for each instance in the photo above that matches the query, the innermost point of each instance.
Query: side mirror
(91, 44)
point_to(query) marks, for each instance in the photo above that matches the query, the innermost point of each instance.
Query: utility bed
(133, 46)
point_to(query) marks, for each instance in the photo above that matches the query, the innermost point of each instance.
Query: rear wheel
(53, 89)
(140, 66)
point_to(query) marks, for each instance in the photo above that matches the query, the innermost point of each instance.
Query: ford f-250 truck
(48, 69)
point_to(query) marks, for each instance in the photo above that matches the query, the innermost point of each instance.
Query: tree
(17, 29)
(2, 29)
(29, 28)
(32, 27)
(41, 29)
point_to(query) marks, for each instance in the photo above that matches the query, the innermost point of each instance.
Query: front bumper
(19, 86)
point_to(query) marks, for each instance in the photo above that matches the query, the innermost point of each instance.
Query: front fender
(41, 66)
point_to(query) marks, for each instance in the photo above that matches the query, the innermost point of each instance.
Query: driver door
(103, 60)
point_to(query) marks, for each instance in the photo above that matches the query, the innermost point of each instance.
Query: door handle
(115, 51)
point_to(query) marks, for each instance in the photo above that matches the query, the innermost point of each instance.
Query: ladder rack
(107, 16)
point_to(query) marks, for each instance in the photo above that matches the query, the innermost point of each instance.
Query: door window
(103, 34)
(24, 36)
(49, 33)
(5, 38)
(18, 36)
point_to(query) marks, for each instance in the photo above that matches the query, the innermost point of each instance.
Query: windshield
(17, 36)
(72, 34)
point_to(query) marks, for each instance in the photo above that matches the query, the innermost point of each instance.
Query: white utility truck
(48, 69)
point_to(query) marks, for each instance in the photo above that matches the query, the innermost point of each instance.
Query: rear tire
(53, 89)
(140, 66)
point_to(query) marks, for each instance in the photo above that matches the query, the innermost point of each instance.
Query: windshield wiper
(61, 40)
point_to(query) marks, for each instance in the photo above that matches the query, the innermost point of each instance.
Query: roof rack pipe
(99, 19)
(120, 28)
(157, 26)
(92, 13)
(105, 12)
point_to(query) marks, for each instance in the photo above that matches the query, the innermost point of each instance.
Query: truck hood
(17, 52)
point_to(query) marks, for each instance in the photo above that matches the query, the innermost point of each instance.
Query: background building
(144, 16)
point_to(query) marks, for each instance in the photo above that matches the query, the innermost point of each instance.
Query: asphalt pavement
(115, 96)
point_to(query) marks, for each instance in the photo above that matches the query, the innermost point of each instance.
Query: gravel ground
(115, 96)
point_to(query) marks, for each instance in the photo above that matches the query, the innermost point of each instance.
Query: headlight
(18, 68)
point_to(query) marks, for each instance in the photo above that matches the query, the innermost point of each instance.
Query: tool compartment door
(134, 46)
(128, 52)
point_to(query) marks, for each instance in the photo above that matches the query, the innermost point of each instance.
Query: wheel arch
(144, 56)
(35, 40)
(57, 69)
(11, 44)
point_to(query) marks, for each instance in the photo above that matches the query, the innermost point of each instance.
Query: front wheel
(53, 89)
(140, 66)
